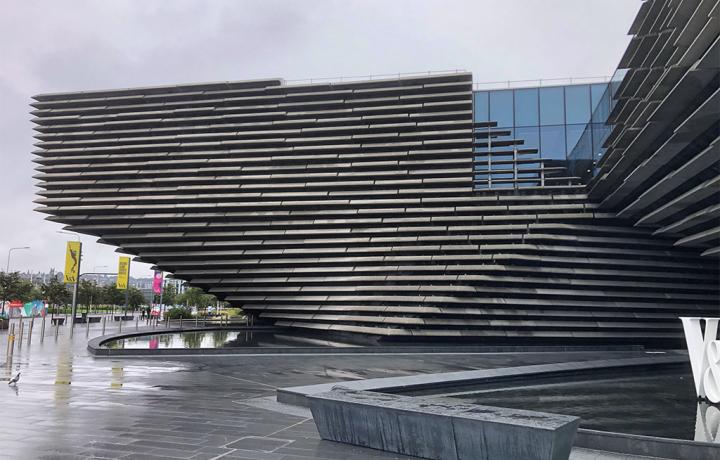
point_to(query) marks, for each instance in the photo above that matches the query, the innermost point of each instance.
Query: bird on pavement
(14, 380)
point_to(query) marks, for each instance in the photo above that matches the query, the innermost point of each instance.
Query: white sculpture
(704, 353)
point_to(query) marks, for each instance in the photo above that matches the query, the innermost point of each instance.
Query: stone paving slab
(70, 405)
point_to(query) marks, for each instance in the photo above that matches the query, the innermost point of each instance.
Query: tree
(89, 292)
(112, 295)
(55, 292)
(25, 291)
(9, 287)
(135, 297)
(169, 294)
(196, 297)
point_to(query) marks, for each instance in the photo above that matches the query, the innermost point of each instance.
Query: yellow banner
(72, 261)
(123, 272)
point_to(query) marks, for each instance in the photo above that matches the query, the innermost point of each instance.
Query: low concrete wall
(441, 429)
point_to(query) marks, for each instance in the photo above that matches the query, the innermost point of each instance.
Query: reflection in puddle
(662, 405)
(707, 425)
(221, 339)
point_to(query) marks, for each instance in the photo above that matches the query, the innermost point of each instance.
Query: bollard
(30, 329)
(196, 321)
(42, 330)
(10, 341)
(137, 322)
(20, 334)
(57, 330)
(120, 326)
(103, 326)
(87, 326)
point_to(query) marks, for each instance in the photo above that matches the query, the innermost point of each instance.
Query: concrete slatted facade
(350, 207)
(662, 167)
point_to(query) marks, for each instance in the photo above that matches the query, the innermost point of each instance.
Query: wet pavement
(69, 404)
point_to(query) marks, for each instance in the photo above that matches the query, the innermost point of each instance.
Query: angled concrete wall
(662, 168)
(349, 207)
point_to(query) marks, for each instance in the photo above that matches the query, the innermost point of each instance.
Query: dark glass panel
(552, 106)
(501, 107)
(528, 165)
(527, 184)
(480, 106)
(577, 104)
(596, 96)
(599, 132)
(552, 142)
(496, 176)
(526, 107)
(573, 134)
(531, 136)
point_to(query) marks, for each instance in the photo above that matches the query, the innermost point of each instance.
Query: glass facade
(564, 124)
(558, 114)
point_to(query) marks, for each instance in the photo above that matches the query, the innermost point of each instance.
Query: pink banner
(158, 283)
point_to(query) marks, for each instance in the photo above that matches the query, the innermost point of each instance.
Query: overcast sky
(49, 46)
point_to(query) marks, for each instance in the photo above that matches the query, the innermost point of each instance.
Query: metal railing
(386, 76)
(514, 84)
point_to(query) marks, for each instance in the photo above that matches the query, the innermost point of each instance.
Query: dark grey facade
(354, 207)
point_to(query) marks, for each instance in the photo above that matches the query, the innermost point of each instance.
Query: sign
(72, 261)
(704, 351)
(158, 283)
(123, 272)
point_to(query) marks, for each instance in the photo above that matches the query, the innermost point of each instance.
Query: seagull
(14, 380)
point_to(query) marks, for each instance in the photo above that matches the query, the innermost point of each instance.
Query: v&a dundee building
(422, 207)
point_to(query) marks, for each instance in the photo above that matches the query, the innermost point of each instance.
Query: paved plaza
(69, 404)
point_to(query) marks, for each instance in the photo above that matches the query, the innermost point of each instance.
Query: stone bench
(123, 318)
(440, 428)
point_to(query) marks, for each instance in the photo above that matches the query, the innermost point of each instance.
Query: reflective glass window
(552, 106)
(577, 104)
(600, 101)
(526, 107)
(552, 142)
(530, 136)
(573, 135)
(528, 165)
(502, 176)
(596, 94)
(480, 106)
(501, 166)
(599, 132)
(501, 107)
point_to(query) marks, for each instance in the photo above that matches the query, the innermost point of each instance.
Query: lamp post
(76, 235)
(7, 268)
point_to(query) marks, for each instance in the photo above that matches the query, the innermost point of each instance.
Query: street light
(95, 267)
(7, 268)
(76, 235)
